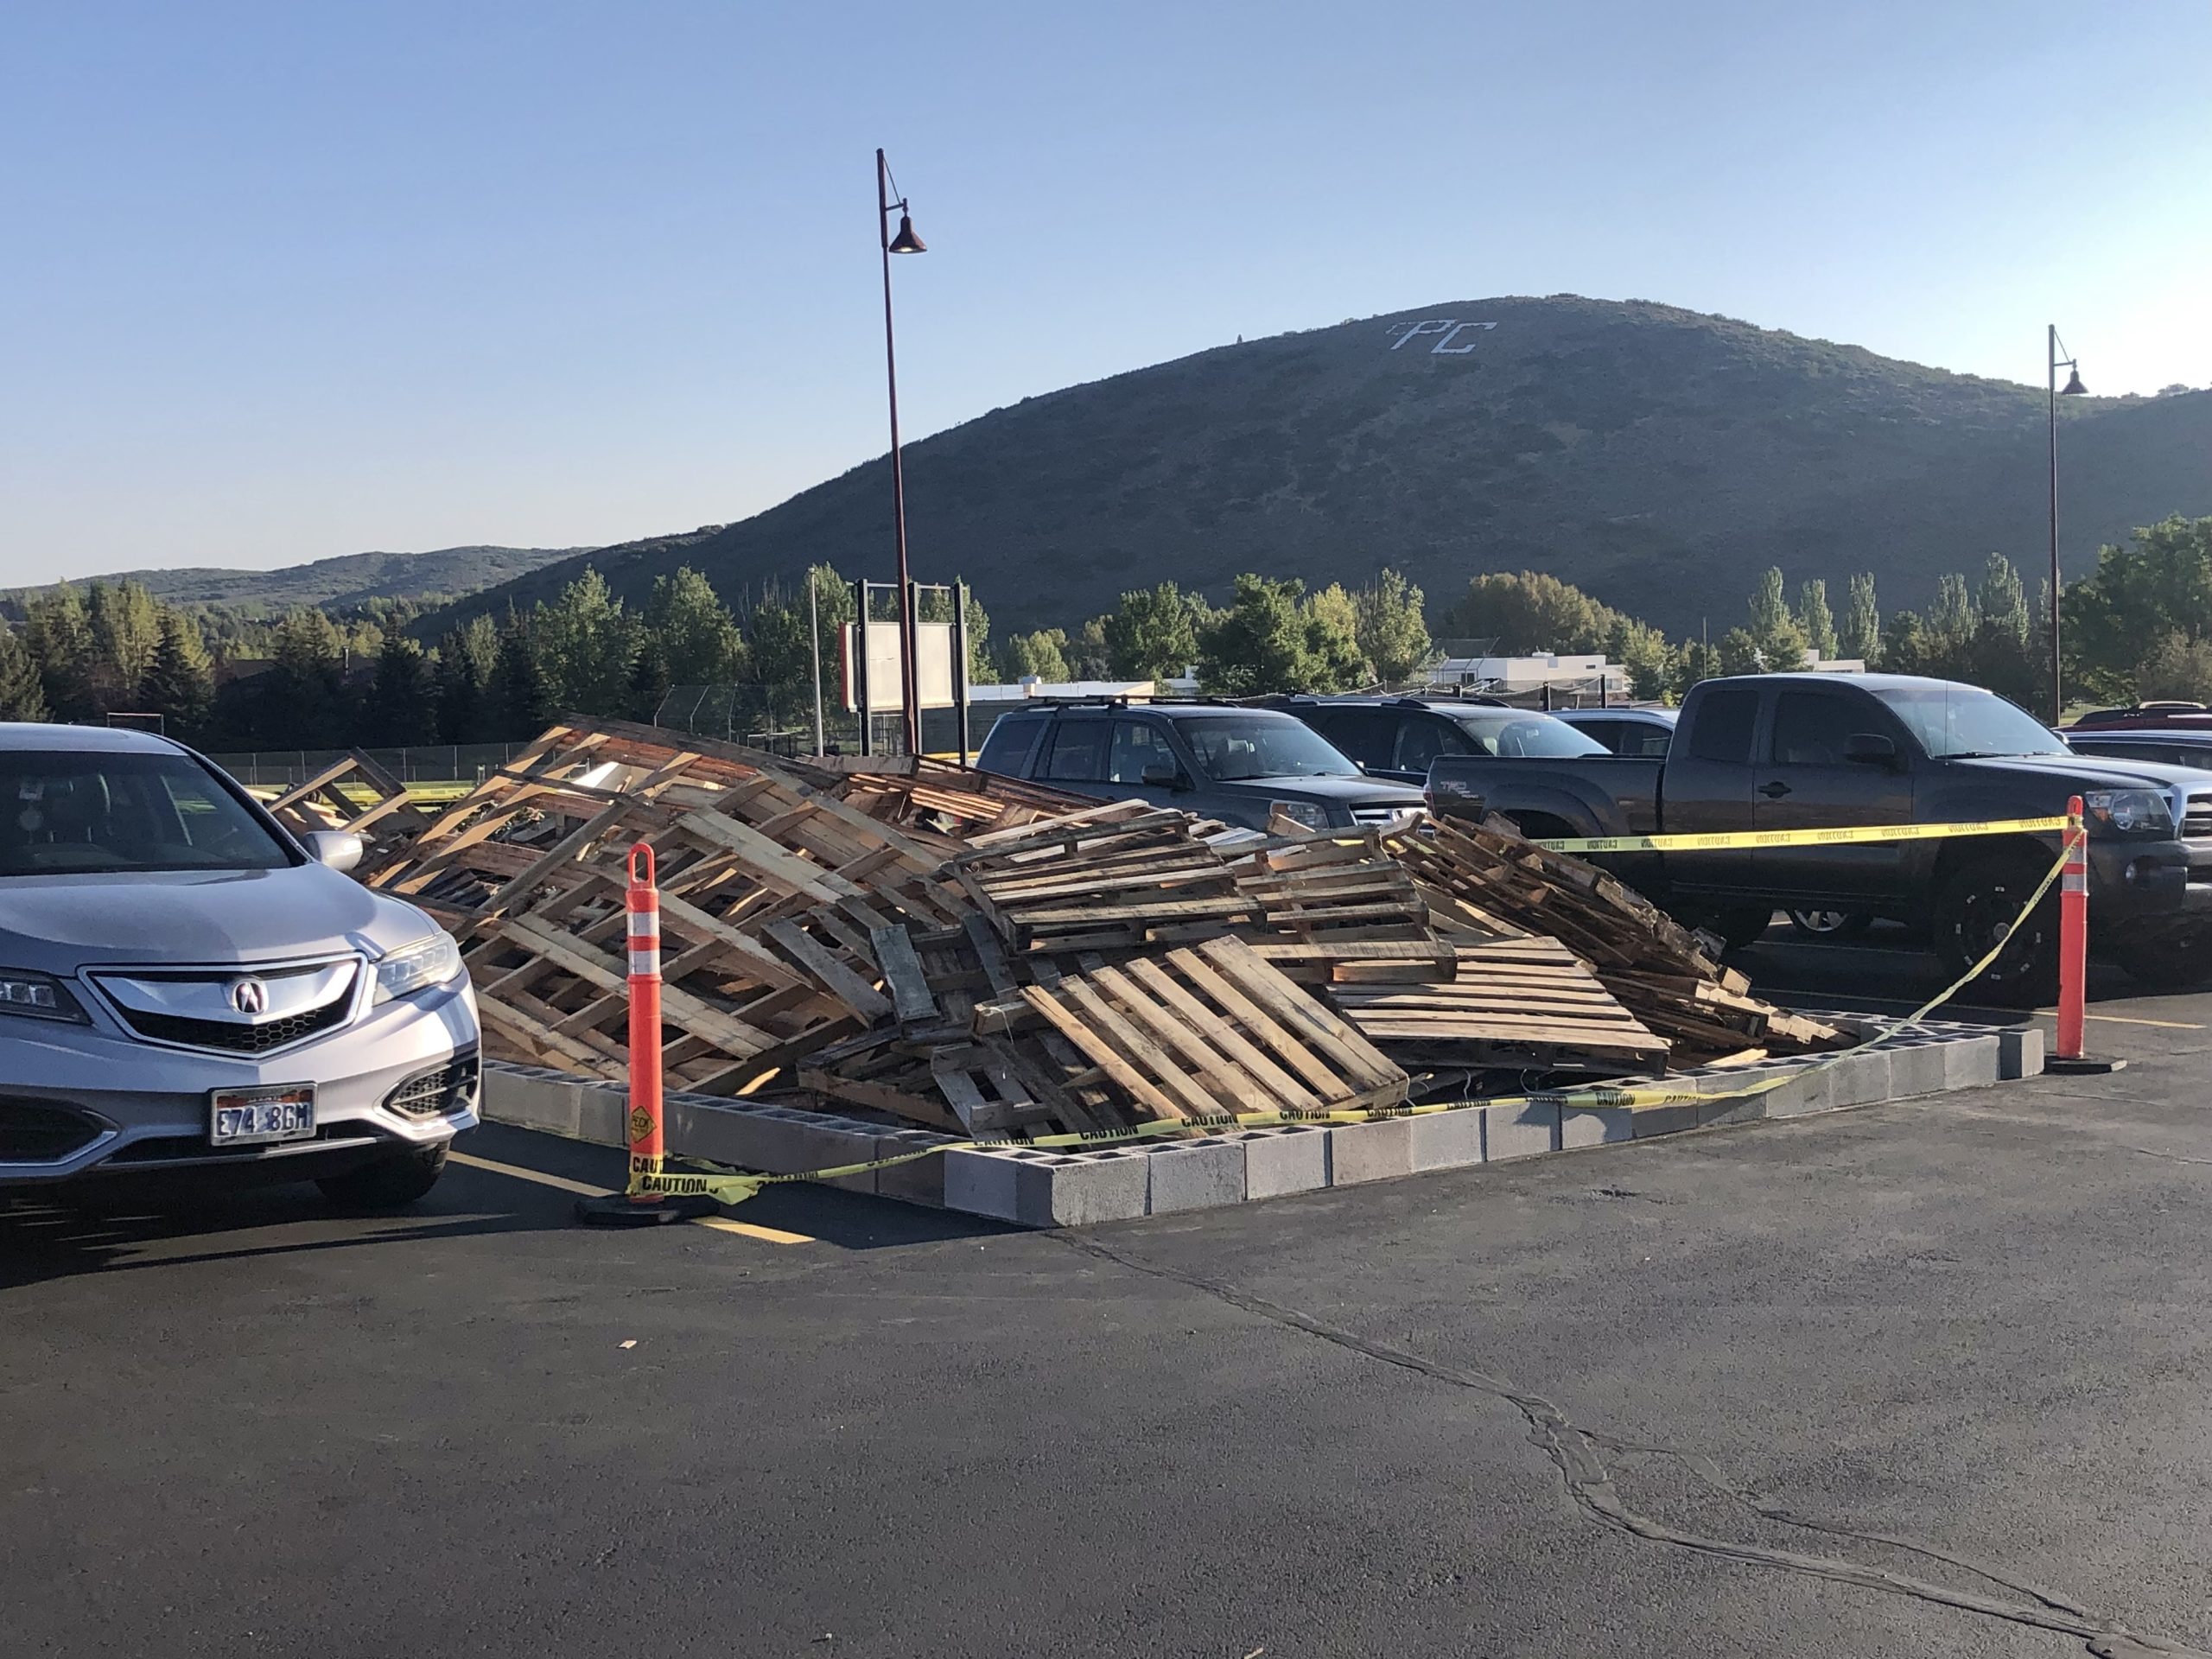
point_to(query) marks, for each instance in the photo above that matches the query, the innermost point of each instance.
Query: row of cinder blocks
(1039, 1188)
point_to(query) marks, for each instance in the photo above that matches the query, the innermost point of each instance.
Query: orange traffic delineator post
(2074, 951)
(640, 1206)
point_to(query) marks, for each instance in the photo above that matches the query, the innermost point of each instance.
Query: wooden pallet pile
(1488, 877)
(948, 948)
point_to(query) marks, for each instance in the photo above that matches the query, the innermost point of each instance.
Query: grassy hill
(348, 579)
(1657, 457)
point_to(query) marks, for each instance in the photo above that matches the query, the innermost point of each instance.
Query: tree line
(2140, 625)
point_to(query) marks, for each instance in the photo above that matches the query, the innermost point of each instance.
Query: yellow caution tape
(1855, 835)
(728, 1185)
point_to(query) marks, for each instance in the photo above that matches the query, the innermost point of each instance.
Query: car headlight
(416, 966)
(1312, 816)
(2130, 811)
(38, 996)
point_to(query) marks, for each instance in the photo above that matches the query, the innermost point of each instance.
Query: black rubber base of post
(616, 1210)
(2083, 1067)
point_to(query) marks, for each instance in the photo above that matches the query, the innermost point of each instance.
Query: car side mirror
(1870, 749)
(336, 849)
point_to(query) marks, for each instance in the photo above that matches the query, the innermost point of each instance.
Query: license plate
(244, 1117)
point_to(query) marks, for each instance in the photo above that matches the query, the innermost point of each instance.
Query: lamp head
(907, 242)
(2074, 388)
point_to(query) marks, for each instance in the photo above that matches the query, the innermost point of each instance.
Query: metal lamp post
(905, 241)
(2073, 388)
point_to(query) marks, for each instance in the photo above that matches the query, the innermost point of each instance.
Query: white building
(1508, 676)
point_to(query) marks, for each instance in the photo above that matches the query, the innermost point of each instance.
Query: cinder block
(2020, 1052)
(1086, 1188)
(1595, 1126)
(921, 1181)
(1198, 1175)
(1371, 1151)
(1648, 1121)
(1811, 1088)
(1520, 1131)
(530, 1099)
(1861, 1079)
(1445, 1139)
(603, 1114)
(1279, 1161)
(1970, 1062)
(1916, 1068)
(982, 1183)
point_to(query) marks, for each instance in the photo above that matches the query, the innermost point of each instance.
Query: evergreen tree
(1392, 632)
(21, 696)
(1697, 661)
(401, 708)
(1260, 643)
(585, 643)
(302, 702)
(2003, 600)
(1906, 646)
(1643, 652)
(467, 658)
(1088, 657)
(1332, 641)
(180, 687)
(1740, 653)
(521, 702)
(1043, 654)
(1814, 619)
(1951, 621)
(1860, 636)
(1153, 635)
(650, 683)
(58, 636)
(126, 629)
(691, 634)
(1776, 638)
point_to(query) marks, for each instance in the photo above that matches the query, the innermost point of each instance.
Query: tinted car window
(1076, 753)
(1607, 732)
(106, 812)
(1007, 747)
(1231, 747)
(1811, 730)
(1138, 746)
(1649, 742)
(1366, 734)
(1724, 725)
(1518, 735)
(1422, 738)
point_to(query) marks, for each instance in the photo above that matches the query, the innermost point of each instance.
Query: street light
(2073, 388)
(904, 241)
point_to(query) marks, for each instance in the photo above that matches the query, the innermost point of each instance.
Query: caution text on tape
(1845, 837)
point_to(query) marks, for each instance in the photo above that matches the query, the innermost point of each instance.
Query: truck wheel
(1830, 923)
(388, 1184)
(1741, 929)
(1977, 906)
(2175, 963)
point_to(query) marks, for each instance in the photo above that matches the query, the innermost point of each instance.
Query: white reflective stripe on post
(2075, 881)
(645, 923)
(645, 963)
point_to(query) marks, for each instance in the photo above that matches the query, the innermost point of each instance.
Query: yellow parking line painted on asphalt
(2124, 1019)
(742, 1229)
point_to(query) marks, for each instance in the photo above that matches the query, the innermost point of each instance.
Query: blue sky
(287, 281)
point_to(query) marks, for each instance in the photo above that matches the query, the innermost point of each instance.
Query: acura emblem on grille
(249, 996)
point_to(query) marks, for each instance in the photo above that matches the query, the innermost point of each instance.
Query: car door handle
(1776, 791)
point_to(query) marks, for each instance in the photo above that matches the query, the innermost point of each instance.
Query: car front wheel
(388, 1183)
(1978, 908)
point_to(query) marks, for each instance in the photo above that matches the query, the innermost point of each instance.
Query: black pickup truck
(1819, 751)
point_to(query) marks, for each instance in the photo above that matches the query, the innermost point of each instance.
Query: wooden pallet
(1335, 906)
(1111, 879)
(332, 799)
(1196, 1032)
(1655, 967)
(1519, 1003)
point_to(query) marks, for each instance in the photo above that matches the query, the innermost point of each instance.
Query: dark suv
(1399, 737)
(1219, 760)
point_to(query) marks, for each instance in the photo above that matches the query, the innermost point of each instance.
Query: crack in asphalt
(1576, 1452)
(2170, 1157)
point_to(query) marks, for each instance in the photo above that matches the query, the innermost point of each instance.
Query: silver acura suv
(184, 988)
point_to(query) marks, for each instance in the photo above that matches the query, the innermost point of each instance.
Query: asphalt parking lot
(1921, 1378)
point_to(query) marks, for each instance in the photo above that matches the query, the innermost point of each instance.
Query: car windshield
(76, 814)
(1514, 735)
(1957, 722)
(1230, 747)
